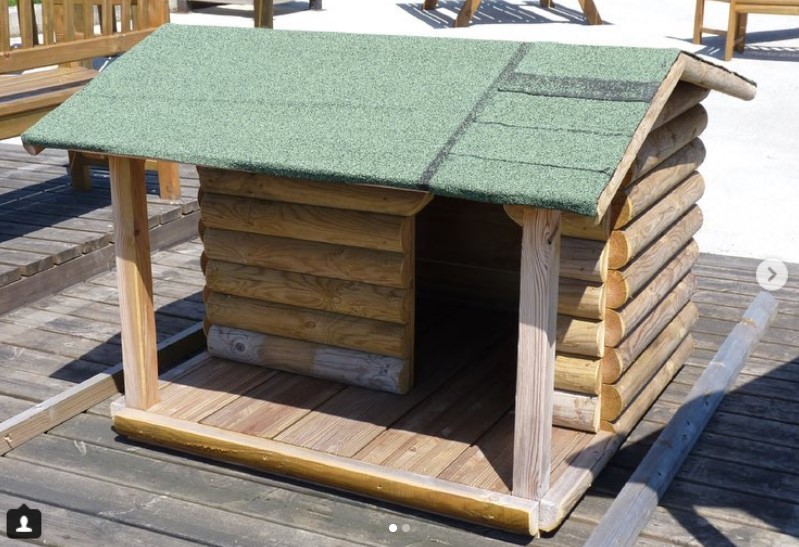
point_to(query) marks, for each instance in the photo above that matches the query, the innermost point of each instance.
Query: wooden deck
(739, 486)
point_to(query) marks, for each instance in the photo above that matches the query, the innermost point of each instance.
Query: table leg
(134, 279)
(466, 13)
(590, 12)
(535, 376)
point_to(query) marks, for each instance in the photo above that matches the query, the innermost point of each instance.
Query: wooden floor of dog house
(455, 425)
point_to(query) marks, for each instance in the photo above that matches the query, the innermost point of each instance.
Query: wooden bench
(736, 26)
(38, 72)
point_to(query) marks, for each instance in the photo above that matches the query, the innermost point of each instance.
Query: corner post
(535, 372)
(134, 280)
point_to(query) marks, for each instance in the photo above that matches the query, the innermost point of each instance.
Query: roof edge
(712, 76)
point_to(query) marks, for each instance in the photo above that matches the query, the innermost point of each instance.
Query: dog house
(451, 274)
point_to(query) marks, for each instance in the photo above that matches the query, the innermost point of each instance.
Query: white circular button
(772, 274)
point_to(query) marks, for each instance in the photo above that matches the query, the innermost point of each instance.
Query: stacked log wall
(309, 277)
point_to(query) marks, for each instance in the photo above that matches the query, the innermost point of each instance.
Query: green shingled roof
(505, 122)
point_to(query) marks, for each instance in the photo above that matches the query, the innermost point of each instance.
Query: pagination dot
(392, 528)
(406, 527)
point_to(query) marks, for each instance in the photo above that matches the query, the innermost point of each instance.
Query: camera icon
(24, 523)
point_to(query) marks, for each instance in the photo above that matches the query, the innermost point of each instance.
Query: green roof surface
(505, 122)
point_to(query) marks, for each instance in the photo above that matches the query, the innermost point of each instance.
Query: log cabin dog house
(451, 274)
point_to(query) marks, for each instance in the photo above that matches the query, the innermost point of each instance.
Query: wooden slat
(535, 374)
(207, 388)
(65, 52)
(126, 16)
(48, 21)
(321, 361)
(310, 325)
(306, 257)
(273, 405)
(69, 21)
(619, 323)
(87, 19)
(370, 199)
(637, 197)
(26, 22)
(107, 21)
(308, 223)
(622, 356)
(132, 236)
(629, 241)
(624, 283)
(5, 33)
(310, 291)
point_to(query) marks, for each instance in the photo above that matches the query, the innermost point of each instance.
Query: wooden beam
(705, 74)
(134, 279)
(535, 376)
(414, 490)
(19, 429)
(169, 180)
(630, 511)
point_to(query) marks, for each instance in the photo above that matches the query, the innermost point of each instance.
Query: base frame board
(577, 458)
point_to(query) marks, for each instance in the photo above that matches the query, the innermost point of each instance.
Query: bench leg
(79, 171)
(699, 21)
(315, 4)
(740, 32)
(169, 180)
(465, 15)
(545, 3)
(590, 12)
(429, 4)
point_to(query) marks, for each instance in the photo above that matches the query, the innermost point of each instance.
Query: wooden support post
(79, 171)
(134, 279)
(635, 503)
(535, 377)
(169, 180)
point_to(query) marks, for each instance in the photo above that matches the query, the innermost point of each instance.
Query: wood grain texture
(572, 225)
(667, 139)
(338, 364)
(535, 374)
(623, 284)
(310, 291)
(576, 411)
(623, 355)
(441, 497)
(661, 347)
(635, 198)
(708, 75)
(310, 325)
(630, 511)
(583, 259)
(308, 223)
(335, 261)
(578, 374)
(629, 241)
(580, 336)
(619, 322)
(370, 199)
(684, 97)
(617, 397)
(134, 281)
